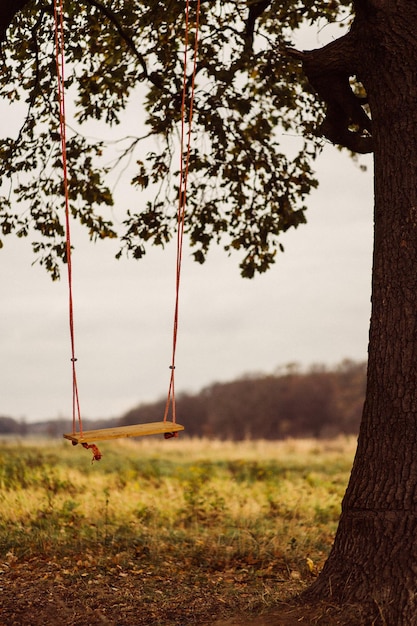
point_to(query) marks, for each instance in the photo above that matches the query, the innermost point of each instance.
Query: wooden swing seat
(118, 432)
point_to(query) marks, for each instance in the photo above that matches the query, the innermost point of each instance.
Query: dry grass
(165, 532)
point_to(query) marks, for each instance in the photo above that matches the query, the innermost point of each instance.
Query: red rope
(60, 67)
(185, 151)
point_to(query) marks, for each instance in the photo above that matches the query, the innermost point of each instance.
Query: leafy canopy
(243, 189)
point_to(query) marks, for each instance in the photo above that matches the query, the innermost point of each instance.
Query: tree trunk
(374, 558)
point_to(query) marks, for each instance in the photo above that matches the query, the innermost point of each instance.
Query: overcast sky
(313, 306)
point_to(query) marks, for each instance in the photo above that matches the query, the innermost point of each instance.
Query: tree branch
(328, 70)
(154, 78)
(256, 8)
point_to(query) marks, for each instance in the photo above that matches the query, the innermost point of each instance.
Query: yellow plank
(137, 430)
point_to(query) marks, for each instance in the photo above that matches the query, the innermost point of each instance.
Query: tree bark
(374, 558)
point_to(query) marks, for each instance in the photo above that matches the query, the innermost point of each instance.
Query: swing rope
(60, 71)
(185, 152)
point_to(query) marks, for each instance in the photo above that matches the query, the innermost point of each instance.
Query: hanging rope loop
(60, 72)
(185, 152)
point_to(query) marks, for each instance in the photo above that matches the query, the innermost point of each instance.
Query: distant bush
(9, 426)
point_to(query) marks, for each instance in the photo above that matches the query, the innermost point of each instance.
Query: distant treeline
(320, 402)
(48, 428)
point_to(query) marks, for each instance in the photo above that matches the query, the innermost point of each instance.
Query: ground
(204, 534)
(38, 592)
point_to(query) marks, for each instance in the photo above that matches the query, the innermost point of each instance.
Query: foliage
(245, 187)
(182, 530)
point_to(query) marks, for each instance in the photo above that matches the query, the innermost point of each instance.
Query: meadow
(162, 532)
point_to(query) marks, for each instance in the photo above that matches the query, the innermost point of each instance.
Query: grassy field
(163, 532)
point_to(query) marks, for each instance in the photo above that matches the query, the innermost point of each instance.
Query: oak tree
(358, 92)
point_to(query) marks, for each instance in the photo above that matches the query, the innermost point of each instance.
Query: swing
(167, 428)
(118, 432)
